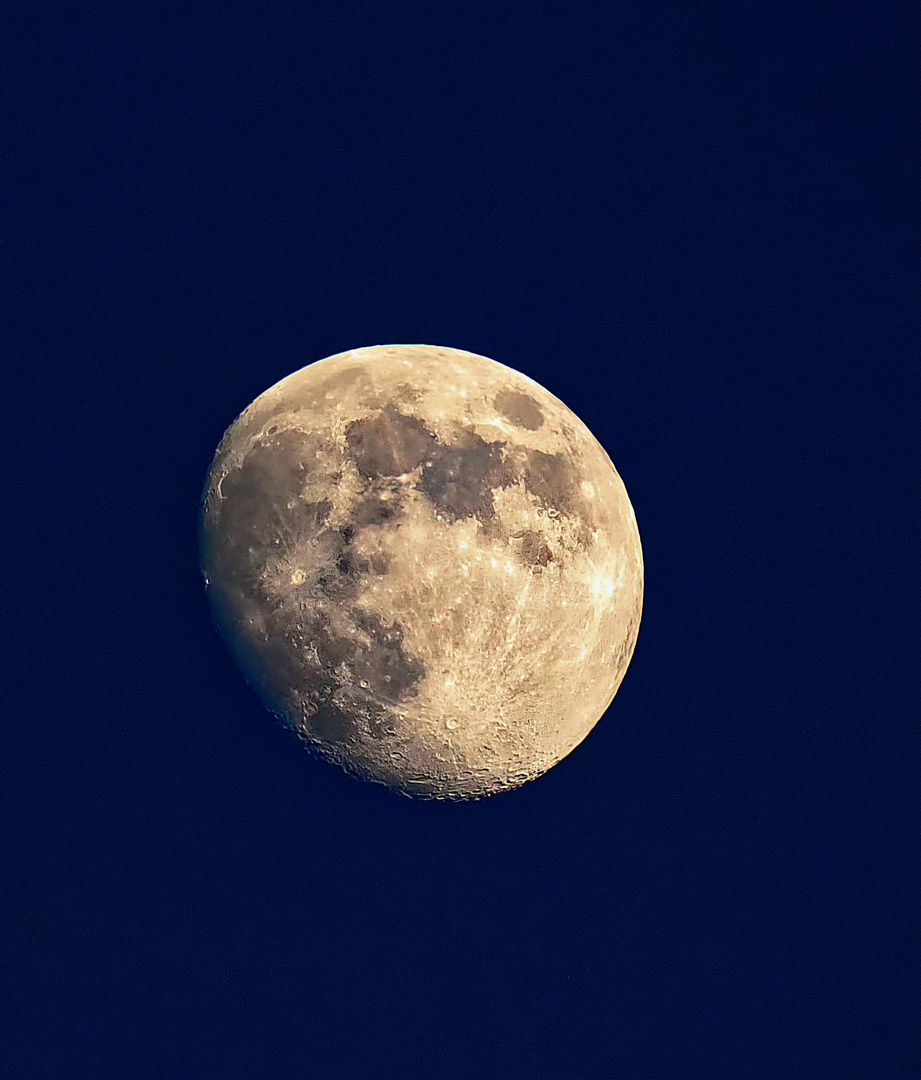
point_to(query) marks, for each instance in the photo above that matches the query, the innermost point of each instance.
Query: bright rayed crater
(425, 564)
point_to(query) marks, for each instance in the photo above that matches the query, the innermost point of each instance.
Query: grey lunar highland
(425, 564)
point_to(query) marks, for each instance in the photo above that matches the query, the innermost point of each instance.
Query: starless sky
(691, 223)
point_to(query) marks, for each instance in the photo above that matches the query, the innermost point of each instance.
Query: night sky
(697, 225)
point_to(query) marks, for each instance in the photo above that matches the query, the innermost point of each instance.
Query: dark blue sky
(695, 224)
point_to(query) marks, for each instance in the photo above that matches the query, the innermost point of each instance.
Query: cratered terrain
(425, 564)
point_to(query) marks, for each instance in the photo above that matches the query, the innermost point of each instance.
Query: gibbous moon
(425, 564)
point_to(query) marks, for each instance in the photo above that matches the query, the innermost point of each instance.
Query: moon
(425, 565)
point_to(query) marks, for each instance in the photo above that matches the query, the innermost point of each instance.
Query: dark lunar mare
(533, 549)
(388, 443)
(519, 409)
(552, 479)
(459, 478)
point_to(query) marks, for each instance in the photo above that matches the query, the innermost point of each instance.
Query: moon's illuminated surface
(425, 564)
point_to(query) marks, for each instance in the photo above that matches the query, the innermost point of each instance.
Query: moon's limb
(425, 564)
